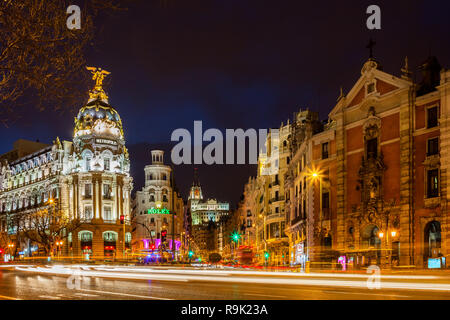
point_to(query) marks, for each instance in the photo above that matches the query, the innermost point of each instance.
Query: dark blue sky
(237, 64)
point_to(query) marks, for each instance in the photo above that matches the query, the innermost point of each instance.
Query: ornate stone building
(380, 194)
(87, 179)
(156, 205)
(208, 222)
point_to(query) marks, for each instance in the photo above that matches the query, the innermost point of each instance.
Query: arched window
(109, 236)
(87, 158)
(432, 239)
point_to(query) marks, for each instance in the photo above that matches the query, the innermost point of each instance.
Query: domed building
(87, 179)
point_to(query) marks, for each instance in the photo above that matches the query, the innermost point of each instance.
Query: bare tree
(47, 226)
(41, 60)
(10, 235)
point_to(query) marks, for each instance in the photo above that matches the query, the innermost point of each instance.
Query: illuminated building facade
(87, 179)
(262, 207)
(155, 204)
(376, 175)
(207, 220)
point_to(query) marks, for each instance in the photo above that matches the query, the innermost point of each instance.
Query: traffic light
(1, 251)
(163, 235)
(266, 255)
(235, 236)
(122, 219)
(152, 246)
(191, 253)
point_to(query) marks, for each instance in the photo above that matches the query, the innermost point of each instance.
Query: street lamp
(315, 174)
(59, 247)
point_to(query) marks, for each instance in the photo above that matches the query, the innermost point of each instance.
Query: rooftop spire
(196, 181)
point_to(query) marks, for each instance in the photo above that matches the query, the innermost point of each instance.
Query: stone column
(100, 196)
(406, 185)
(444, 142)
(341, 182)
(94, 198)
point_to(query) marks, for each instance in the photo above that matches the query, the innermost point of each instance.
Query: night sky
(236, 64)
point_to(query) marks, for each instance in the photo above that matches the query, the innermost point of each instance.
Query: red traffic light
(122, 218)
(164, 233)
(152, 246)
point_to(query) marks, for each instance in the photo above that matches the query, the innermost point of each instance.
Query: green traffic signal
(235, 236)
(266, 255)
(191, 253)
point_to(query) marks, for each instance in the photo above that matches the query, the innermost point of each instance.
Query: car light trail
(241, 279)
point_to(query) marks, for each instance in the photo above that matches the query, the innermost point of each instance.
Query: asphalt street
(83, 282)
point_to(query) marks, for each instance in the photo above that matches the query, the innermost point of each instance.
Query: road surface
(87, 282)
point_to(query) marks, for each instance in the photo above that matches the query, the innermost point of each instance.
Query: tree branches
(41, 60)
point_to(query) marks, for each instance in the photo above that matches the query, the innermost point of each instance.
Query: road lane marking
(263, 295)
(260, 280)
(9, 298)
(50, 297)
(366, 293)
(125, 294)
(85, 294)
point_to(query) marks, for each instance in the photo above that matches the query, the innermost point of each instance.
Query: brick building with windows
(377, 172)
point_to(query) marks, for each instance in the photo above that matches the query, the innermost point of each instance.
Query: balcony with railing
(276, 199)
(107, 196)
(297, 220)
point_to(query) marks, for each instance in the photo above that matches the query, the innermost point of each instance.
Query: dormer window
(107, 164)
(88, 164)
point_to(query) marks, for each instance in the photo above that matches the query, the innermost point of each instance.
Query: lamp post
(59, 245)
(10, 247)
(315, 175)
(393, 234)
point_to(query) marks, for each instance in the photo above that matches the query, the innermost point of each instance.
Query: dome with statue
(98, 117)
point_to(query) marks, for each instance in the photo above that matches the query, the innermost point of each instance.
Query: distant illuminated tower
(196, 190)
(204, 210)
(156, 196)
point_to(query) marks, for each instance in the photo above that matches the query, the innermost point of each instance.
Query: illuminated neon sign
(158, 211)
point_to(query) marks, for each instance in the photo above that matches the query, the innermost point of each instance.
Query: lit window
(107, 214)
(88, 190)
(107, 164)
(325, 150)
(88, 212)
(88, 164)
(433, 183)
